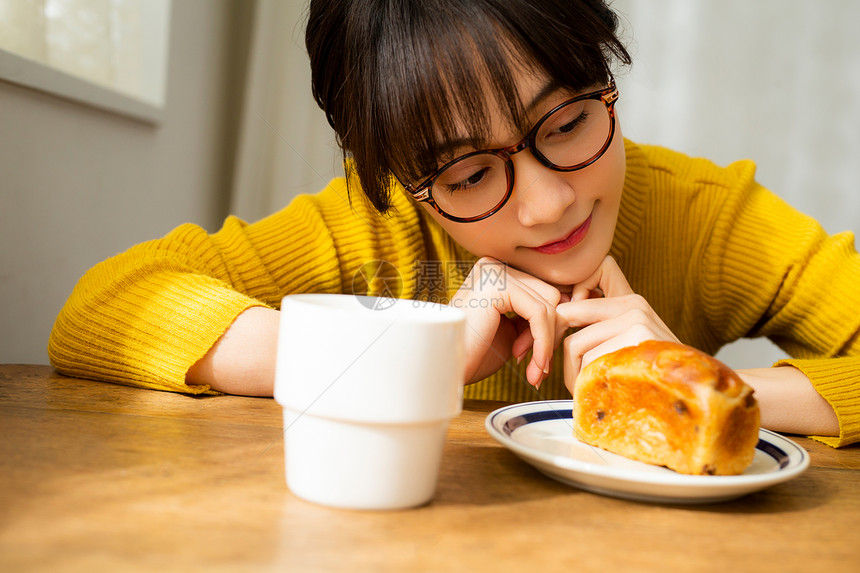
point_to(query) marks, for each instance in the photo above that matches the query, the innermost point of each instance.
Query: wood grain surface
(101, 477)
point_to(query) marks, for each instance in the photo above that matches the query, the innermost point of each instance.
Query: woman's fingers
(579, 313)
(534, 301)
(591, 342)
(607, 280)
(492, 336)
(524, 340)
(609, 316)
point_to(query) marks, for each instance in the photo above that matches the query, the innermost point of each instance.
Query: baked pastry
(667, 404)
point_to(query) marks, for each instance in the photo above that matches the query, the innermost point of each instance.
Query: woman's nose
(541, 194)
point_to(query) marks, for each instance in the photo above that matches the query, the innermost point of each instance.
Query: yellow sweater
(717, 256)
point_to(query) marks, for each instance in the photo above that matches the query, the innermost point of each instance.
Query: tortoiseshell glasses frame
(425, 190)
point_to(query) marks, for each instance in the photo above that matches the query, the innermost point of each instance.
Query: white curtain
(119, 44)
(776, 81)
(285, 146)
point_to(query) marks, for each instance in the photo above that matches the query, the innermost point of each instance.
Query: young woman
(486, 167)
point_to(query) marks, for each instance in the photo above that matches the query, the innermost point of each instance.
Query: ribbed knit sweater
(716, 255)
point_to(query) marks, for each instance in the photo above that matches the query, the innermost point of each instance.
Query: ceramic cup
(368, 387)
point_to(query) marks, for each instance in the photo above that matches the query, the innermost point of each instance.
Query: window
(107, 53)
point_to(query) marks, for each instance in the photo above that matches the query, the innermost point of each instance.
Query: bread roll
(667, 404)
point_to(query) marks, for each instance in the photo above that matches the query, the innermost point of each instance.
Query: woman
(483, 135)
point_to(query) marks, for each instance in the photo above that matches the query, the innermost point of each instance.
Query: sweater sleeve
(145, 316)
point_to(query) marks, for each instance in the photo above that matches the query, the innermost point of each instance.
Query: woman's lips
(566, 243)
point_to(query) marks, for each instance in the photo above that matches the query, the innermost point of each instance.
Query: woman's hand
(490, 292)
(609, 316)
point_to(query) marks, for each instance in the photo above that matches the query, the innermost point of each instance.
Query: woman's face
(556, 226)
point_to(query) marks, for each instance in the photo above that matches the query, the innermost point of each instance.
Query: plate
(541, 433)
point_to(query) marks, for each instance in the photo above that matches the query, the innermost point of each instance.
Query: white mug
(368, 386)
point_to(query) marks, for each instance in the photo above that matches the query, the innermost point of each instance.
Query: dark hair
(395, 76)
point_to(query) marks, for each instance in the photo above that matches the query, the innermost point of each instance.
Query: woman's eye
(467, 182)
(570, 125)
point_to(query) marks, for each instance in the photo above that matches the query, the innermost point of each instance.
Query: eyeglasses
(572, 136)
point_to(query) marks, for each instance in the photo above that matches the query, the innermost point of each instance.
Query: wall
(78, 185)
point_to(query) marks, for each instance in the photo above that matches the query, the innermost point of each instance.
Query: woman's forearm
(243, 359)
(789, 402)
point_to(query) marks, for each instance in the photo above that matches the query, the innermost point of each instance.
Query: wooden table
(100, 477)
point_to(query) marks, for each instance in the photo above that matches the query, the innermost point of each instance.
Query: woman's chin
(562, 280)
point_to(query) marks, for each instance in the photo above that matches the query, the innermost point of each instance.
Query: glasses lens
(471, 186)
(574, 134)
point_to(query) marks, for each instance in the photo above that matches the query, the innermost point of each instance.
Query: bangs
(448, 85)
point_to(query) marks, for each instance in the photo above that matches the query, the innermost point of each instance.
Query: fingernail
(522, 355)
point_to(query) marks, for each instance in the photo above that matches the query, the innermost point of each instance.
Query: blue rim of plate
(791, 459)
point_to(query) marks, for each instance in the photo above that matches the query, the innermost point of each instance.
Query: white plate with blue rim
(541, 433)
